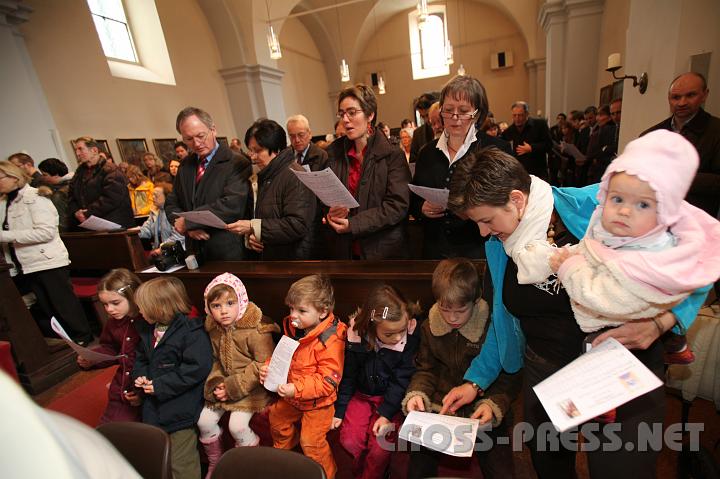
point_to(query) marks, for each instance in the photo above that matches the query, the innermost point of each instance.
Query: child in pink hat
(645, 249)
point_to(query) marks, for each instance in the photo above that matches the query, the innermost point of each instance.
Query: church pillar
(572, 29)
(254, 91)
(32, 127)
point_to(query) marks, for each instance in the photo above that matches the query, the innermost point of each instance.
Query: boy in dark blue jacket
(173, 360)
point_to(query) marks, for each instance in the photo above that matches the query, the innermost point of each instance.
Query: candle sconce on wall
(614, 65)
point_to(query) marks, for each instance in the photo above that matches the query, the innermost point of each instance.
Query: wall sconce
(614, 65)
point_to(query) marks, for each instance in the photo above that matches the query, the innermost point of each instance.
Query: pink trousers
(371, 455)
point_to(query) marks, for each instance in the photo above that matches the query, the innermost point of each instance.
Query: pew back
(103, 251)
(268, 282)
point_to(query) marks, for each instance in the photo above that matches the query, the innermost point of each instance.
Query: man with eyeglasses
(305, 151)
(213, 178)
(530, 140)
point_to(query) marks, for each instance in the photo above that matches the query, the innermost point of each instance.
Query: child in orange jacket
(315, 372)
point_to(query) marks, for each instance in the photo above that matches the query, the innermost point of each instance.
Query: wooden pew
(267, 282)
(100, 252)
(40, 362)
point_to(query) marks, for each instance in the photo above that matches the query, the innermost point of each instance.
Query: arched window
(113, 29)
(427, 43)
(132, 40)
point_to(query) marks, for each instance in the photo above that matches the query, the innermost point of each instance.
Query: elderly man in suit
(213, 178)
(530, 140)
(305, 151)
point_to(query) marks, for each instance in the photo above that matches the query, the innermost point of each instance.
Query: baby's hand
(286, 390)
(132, 397)
(380, 426)
(263, 373)
(140, 381)
(220, 392)
(483, 412)
(415, 403)
(559, 258)
(336, 422)
(83, 363)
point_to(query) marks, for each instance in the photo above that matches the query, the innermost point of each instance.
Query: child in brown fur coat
(242, 341)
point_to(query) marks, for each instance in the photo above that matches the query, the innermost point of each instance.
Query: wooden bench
(100, 252)
(267, 282)
(40, 362)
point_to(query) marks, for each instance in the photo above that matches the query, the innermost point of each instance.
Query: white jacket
(33, 232)
(602, 295)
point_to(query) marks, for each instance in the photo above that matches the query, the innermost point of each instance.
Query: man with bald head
(305, 151)
(686, 95)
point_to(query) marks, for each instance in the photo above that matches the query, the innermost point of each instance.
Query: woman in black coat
(284, 209)
(463, 107)
(376, 174)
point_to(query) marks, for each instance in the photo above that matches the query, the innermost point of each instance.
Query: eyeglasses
(457, 116)
(300, 136)
(199, 138)
(350, 112)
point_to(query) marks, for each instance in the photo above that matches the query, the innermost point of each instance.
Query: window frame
(416, 52)
(128, 31)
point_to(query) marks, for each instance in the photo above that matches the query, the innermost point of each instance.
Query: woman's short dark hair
(486, 177)
(268, 134)
(467, 88)
(365, 96)
(180, 143)
(53, 167)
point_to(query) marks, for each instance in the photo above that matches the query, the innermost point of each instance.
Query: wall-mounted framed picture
(617, 89)
(605, 95)
(132, 149)
(102, 144)
(165, 149)
(223, 140)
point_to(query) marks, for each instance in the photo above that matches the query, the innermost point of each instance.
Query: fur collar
(251, 319)
(472, 330)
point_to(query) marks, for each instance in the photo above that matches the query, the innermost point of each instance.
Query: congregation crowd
(582, 243)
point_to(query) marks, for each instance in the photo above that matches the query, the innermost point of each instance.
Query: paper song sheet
(327, 187)
(570, 149)
(204, 217)
(96, 223)
(86, 353)
(171, 269)
(450, 435)
(433, 195)
(280, 363)
(602, 379)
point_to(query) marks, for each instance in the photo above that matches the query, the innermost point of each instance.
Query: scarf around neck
(528, 245)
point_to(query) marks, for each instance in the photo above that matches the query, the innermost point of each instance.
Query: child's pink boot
(213, 450)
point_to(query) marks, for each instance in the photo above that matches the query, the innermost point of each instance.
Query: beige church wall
(688, 27)
(304, 83)
(86, 100)
(479, 31)
(612, 40)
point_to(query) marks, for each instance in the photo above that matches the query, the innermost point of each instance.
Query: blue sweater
(505, 344)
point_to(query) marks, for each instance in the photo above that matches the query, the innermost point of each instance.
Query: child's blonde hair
(161, 299)
(455, 282)
(123, 282)
(315, 289)
(384, 303)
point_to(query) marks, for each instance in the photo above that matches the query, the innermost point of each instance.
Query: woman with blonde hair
(140, 189)
(31, 243)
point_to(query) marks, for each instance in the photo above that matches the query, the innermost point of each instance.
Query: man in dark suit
(530, 140)
(424, 133)
(603, 147)
(686, 95)
(212, 178)
(305, 151)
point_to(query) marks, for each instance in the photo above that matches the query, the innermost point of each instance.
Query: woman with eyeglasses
(281, 227)
(463, 108)
(376, 174)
